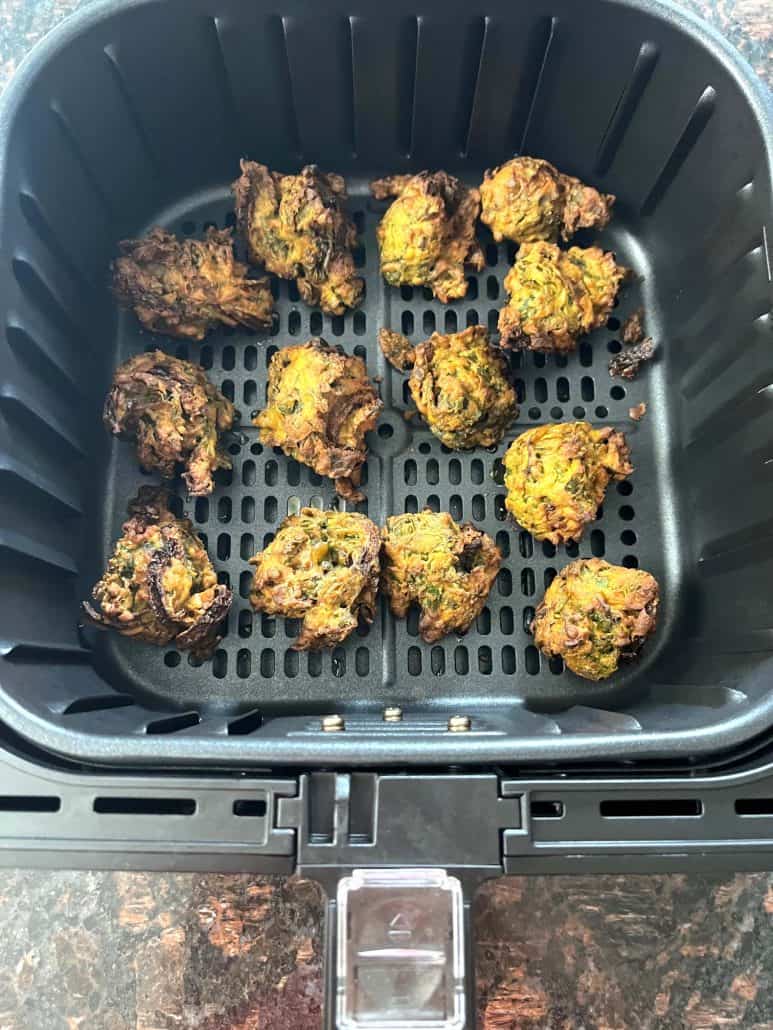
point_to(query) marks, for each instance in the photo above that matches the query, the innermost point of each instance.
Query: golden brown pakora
(444, 568)
(159, 585)
(298, 228)
(175, 416)
(527, 199)
(460, 384)
(595, 616)
(555, 296)
(184, 288)
(556, 477)
(320, 406)
(427, 235)
(322, 567)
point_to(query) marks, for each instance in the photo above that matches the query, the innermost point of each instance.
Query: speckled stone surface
(120, 951)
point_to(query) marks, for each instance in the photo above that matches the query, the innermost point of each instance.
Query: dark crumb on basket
(633, 327)
(638, 412)
(628, 362)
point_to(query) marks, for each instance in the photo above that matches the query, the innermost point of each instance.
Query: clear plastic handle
(400, 951)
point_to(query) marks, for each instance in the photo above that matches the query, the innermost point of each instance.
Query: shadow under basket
(135, 115)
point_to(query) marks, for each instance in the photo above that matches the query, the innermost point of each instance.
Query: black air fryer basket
(136, 114)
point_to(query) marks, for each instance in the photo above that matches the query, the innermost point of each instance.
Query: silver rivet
(393, 714)
(333, 724)
(459, 723)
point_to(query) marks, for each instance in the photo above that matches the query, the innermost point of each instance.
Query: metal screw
(459, 723)
(333, 724)
(393, 714)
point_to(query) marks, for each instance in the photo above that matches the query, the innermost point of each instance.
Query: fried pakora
(297, 226)
(555, 296)
(629, 361)
(184, 288)
(446, 569)
(322, 567)
(527, 199)
(427, 235)
(397, 349)
(320, 406)
(175, 416)
(556, 477)
(595, 615)
(159, 585)
(460, 384)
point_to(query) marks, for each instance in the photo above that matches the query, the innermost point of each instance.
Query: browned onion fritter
(320, 406)
(175, 416)
(322, 567)
(159, 585)
(184, 288)
(297, 226)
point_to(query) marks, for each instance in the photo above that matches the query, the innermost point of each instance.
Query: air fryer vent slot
(144, 806)
(655, 808)
(20, 803)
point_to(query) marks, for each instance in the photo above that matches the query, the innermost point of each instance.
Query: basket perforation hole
(291, 663)
(245, 584)
(406, 292)
(506, 621)
(249, 473)
(500, 511)
(270, 509)
(556, 665)
(601, 411)
(433, 502)
(531, 656)
(597, 544)
(472, 318)
(539, 360)
(406, 322)
(337, 325)
(227, 389)
(526, 544)
(362, 661)
(314, 663)
(540, 390)
(573, 549)
(250, 393)
(315, 323)
(424, 447)
(613, 324)
(508, 659)
(478, 507)
(587, 388)
(556, 413)
(267, 626)
(485, 663)
(224, 546)
(205, 357)
(437, 661)
(614, 346)
(410, 472)
(450, 322)
(493, 320)
(228, 358)
(183, 351)
(472, 287)
(492, 287)
(520, 390)
(411, 504)
(578, 412)
(414, 661)
(492, 254)
(171, 659)
(476, 471)
(630, 561)
(617, 393)
(456, 507)
(292, 628)
(562, 389)
(244, 628)
(454, 472)
(267, 662)
(526, 619)
(294, 323)
(626, 513)
(433, 471)
(412, 621)
(204, 540)
(220, 664)
(586, 354)
(527, 582)
(176, 506)
(248, 509)
(461, 660)
(503, 543)
(505, 582)
(201, 509)
(628, 537)
(483, 622)
(548, 576)
(247, 546)
(274, 287)
(428, 322)
(534, 414)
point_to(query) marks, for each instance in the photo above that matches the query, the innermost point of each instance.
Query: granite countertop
(123, 951)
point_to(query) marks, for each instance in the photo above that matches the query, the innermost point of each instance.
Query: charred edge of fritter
(202, 638)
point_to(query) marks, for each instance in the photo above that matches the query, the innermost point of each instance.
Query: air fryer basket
(137, 115)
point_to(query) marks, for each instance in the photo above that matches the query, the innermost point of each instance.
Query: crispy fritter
(629, 361)
(633, 327)
(397, 349)
(556, 476)
(320, 406)
(175, 416)
(460, 384)
(322, 567)
(160, 586)
(555, 296)
(297, 226)
(184, 288)
(427, 235)
(595, 615)
(527, 199)
(446, 569)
